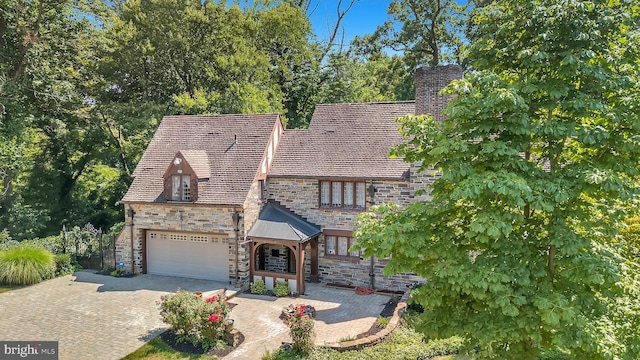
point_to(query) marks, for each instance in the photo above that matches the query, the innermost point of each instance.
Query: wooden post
(300, 266)
(314, 261)
(252, 261)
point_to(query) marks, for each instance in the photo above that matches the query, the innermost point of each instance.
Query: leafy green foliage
(26, 265)
(281, 289)
(195, 320)
(258, 287)
(63, 264)
(403, 343)
(538, 164)
(426, 32)
(301, 329)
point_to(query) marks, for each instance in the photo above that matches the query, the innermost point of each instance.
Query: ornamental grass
(26, 265)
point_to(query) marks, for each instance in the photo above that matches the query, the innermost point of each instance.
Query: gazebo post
(314, 277)
(300, 268)
(252, 260)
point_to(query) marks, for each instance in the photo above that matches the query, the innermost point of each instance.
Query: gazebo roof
(275, 222)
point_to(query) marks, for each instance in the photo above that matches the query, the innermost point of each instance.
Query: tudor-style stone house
(236, 198)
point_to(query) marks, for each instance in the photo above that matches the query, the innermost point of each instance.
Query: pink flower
(215, 318)
(212, 299)
(300, 313)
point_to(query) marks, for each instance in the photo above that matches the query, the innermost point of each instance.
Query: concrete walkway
(92, 316)
(98, 317)
(341, 314)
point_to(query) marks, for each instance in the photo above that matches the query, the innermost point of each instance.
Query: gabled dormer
(187, 169)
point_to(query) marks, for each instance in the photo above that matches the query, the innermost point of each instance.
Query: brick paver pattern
(92, 316)
(98, 317)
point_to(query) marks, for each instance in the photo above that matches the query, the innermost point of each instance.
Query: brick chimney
(429, 80)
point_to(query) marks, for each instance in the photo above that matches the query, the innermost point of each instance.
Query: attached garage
(186, 254)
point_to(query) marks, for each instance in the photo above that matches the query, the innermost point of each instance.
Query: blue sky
(362, 19)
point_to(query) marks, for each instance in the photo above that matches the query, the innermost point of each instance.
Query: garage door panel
(201, 256)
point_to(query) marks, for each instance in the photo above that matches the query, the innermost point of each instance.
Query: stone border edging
(380, 335)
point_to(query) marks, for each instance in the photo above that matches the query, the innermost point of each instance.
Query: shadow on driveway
(148, 282)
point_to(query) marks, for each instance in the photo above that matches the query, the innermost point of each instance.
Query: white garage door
(192, 255)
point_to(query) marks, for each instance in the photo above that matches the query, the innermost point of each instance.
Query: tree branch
(117, 141)
(341, 14)
(30, 38)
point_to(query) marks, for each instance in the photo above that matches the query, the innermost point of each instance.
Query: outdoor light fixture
(236, 220)
(372, 191)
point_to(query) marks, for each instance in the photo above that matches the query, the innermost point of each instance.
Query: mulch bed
(169, 338)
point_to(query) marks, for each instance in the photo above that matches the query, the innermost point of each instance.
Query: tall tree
(425, 32)
(45, 48)
(539, 161)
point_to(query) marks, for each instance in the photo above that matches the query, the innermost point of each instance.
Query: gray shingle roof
(232, 169)
(275, 222)
(345, 141)
(199, 162)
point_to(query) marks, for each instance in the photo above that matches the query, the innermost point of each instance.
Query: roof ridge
(389, 102)
(220, 116)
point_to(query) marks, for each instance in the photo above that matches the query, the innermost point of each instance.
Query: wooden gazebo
(278, 226)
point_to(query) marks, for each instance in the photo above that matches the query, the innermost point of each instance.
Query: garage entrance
(187, 254)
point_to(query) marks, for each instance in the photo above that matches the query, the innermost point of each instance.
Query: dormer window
(187, 169)
(181, 187)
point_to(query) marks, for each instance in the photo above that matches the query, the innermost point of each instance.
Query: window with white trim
(342, 194)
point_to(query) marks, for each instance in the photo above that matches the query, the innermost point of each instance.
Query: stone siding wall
(202, 219)
(422, 181)
(277, 263)
(252, 207)
(357, 274)
(302, 197)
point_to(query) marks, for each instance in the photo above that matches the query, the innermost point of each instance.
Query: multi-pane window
(186, 187)
(338, 245)
(342, 194)
(180, 187)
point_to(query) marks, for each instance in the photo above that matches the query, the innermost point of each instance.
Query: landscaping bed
(170, 339)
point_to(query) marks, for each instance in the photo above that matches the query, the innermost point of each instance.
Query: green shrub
(6, 241)
(26, 265)
(63, 265)
(52, 243)
(300, 329)
(382, 322)
(258, 287)
(403, 343)
(195, 320)
(281, 289)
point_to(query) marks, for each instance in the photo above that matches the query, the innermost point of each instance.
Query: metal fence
(89, 246)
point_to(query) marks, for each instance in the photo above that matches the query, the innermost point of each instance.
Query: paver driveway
(341, 314)
(92, 316)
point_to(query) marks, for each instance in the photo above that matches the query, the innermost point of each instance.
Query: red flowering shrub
(301, 330)
(195, 320)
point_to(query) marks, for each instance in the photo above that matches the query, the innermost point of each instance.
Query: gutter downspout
(131, 215)
(236, 228)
